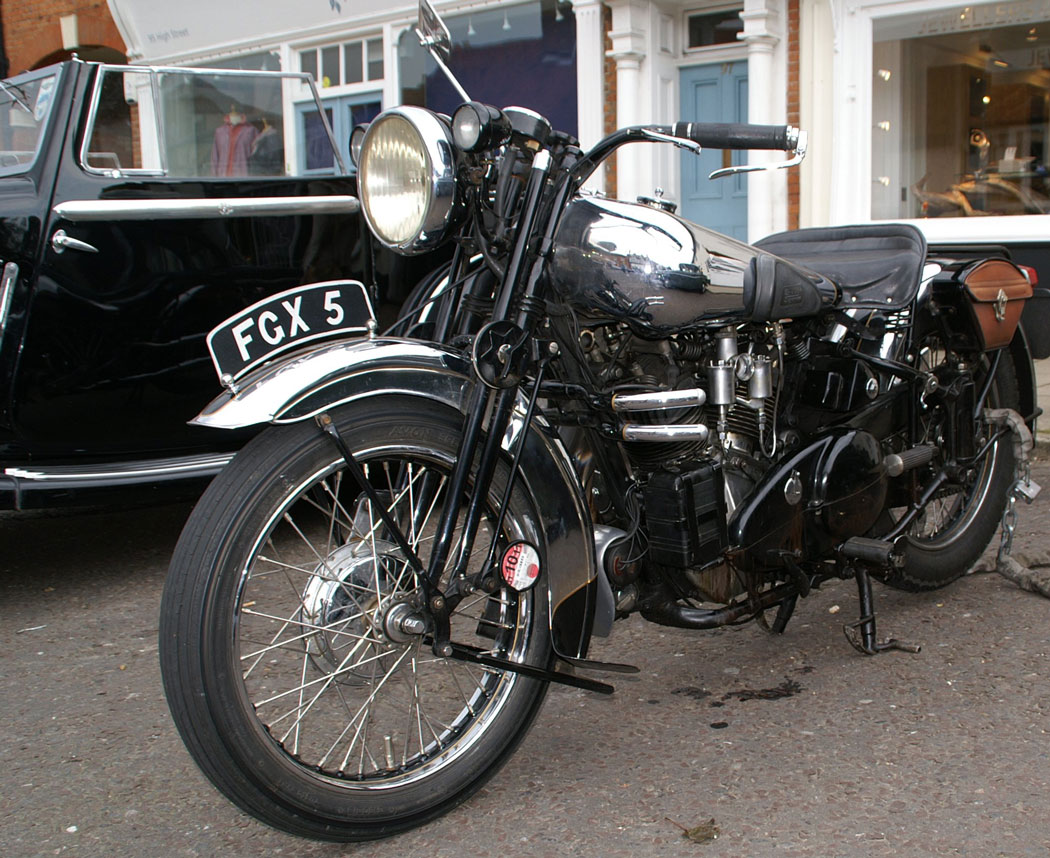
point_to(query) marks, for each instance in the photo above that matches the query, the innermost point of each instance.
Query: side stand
(861, 634)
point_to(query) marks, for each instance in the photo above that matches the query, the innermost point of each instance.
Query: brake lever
(794, 161)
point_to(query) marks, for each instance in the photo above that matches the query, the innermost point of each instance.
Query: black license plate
(287, 320)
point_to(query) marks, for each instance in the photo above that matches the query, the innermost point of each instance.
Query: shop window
(347, 63)
(375, 59)
(961, 112)
(522, 54)
(342, 115)
(703, 30)
(354, 54)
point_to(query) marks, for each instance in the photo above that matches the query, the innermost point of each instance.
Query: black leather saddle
(874, 265)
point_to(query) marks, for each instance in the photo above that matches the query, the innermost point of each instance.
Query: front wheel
(291, 645)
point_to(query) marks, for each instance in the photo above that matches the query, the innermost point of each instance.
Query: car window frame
(304, 78)
(55, 71)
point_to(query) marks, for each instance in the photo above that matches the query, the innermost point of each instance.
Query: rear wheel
(956, 526)
(294, 654)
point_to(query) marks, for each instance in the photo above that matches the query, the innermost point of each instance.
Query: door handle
(60, 241)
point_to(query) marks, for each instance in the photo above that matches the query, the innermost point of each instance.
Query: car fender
(303, 385)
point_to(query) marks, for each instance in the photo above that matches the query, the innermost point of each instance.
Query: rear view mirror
(435, 37)
(432, 32)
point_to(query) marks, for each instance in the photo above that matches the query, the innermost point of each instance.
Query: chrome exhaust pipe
(676, 432)
(687, 398)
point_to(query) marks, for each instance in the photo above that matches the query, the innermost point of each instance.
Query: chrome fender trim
(83, 211)
(303, 385)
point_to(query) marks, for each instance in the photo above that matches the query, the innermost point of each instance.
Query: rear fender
(302, 385)
(1025, 373)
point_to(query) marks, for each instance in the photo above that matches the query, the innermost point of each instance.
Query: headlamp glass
(394, 179)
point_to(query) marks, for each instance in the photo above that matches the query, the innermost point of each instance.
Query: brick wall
(609, 112)
(33, 34)
(793, 107)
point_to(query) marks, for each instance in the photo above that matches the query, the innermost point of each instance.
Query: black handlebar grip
(719, 135)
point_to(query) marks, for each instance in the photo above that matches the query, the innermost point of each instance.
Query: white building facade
(916, 109)
(733, 56)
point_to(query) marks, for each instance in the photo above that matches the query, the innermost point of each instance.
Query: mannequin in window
(267, 155)
(232, 145)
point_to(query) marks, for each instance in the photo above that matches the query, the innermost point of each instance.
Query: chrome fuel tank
(647, 267)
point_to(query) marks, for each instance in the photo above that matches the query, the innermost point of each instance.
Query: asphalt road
(941, 753)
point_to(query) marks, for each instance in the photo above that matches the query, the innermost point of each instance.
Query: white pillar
(767, 105)
(629, 36)
(817, 49)
(590, 79)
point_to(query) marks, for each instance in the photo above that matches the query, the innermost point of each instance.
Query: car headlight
(407, 179)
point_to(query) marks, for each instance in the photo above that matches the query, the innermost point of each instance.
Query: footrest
(877, 552)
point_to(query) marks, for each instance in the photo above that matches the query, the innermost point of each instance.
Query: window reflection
(189, 125)
(960, 112)
(522, 55)
(24, 108)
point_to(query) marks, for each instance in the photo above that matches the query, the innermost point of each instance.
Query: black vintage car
(139, 207)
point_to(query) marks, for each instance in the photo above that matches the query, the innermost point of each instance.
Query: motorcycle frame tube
(302, 385)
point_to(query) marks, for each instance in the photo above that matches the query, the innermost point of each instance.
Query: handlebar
(709, 135)
(718, 135)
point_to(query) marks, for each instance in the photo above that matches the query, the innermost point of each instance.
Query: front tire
(289, 677)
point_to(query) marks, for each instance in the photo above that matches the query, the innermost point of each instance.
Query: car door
(177, 203)
(34, 111)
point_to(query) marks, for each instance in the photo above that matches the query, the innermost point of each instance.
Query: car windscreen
(199, 123)
(26, 103)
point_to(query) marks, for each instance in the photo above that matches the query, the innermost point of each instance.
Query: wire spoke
(367, 703)
(324, 664)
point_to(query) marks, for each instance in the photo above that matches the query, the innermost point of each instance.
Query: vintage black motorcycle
(596, 408)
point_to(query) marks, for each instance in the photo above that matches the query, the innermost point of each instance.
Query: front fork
(502, 354)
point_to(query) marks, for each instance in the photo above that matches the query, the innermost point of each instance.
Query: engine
(727, 487)
(733, 372)
(692, 486)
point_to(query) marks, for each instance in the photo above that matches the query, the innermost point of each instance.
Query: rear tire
(958, 524)
(283, 676)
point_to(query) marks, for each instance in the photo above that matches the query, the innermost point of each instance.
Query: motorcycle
(596, 408)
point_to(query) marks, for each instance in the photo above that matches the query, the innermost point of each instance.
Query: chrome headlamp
(407, 179)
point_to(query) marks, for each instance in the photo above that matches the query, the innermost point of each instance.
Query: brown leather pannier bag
(997, 291)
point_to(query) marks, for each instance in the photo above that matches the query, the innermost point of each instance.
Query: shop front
(365, 57)
(936, 112)
(588, 66)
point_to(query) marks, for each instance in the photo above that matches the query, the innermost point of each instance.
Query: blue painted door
(714, 93)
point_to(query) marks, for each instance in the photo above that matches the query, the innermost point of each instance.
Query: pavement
(787, 746)
(790, 746)
(1042, 393)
